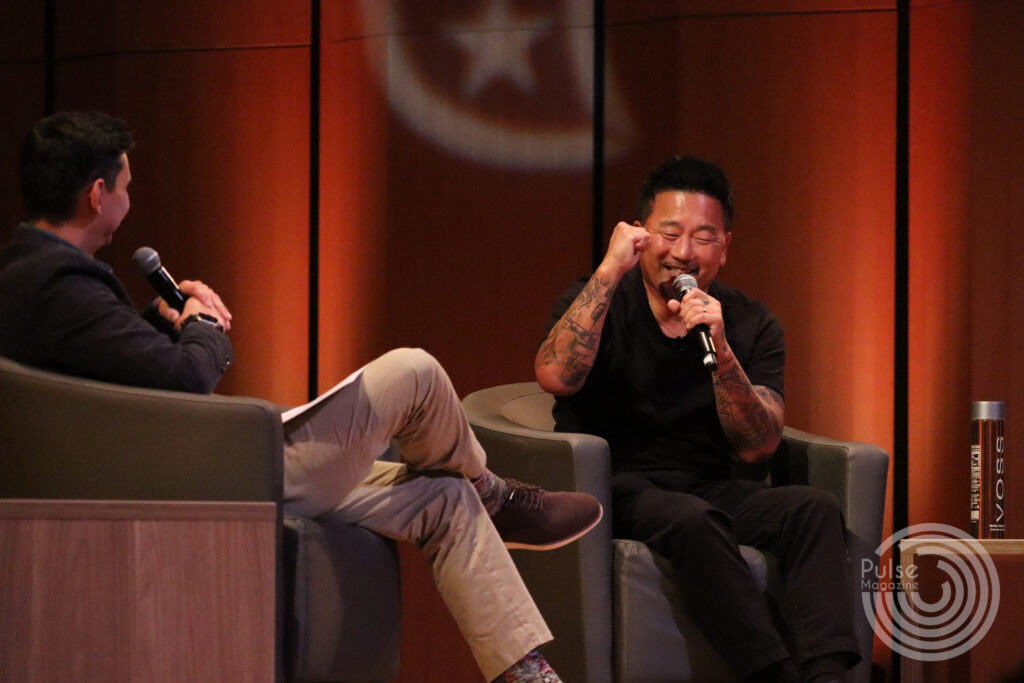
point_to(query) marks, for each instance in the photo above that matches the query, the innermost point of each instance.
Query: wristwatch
(204, 318)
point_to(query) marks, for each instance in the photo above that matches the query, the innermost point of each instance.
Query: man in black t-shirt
(624, 361)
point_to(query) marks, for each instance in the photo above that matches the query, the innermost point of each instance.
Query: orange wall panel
(218, 97)
(634, 11)
(353, 232)
(939, 374)
(24, 32)
(435, 234)
(22, 78)
(455, 192)
(458, 205)
(102, 26)
(18, 115)
(992, 229)
(220, 190)
(808, 140)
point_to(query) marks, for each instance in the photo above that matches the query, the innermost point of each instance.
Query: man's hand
(624, 249)
(199, 298)
(698, 307)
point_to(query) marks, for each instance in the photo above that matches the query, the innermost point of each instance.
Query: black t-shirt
(649, 395)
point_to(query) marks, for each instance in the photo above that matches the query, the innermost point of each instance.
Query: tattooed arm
(567, 355)
(751, 415)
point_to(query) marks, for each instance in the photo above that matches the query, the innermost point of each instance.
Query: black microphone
(681, 285)
(147, 262)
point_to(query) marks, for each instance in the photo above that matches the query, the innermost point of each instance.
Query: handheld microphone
(147, 263)
(681, 285)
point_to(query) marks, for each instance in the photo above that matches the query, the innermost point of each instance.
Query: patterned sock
(492, 490)
(532, 668)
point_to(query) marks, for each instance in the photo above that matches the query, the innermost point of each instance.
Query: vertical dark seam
(314, 202)
(901, 322)
(597, 177)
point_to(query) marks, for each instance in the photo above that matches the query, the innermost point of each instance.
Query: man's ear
(95, 193)
(725, 248)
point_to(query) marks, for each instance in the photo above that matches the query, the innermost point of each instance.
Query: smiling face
(688, 236)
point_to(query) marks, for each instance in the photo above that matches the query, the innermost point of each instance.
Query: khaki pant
(331, 468)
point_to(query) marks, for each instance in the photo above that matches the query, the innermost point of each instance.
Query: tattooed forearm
(751, 416)
(593, 298)
(568, 353)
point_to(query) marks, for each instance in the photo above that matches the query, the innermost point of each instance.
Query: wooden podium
(137, 591)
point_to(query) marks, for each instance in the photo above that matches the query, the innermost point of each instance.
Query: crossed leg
(331, 467)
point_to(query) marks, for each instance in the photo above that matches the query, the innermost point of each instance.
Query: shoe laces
(523, 495)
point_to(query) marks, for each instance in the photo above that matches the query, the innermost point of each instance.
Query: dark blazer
(62, 310)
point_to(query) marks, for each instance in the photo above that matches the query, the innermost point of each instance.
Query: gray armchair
(162, 512)
(612, 605)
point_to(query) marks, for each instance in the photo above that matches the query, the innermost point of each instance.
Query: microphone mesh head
(683, 284)
(146, 261)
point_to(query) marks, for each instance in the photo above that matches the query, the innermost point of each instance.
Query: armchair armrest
(66, 437)
(571, 585)
(854, 471)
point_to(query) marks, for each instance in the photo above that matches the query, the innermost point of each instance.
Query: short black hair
(65, 153)
(686, 174)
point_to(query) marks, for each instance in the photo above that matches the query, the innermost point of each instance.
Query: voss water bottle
(988, 469)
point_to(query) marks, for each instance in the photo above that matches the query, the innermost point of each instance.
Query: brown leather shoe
(535, 519)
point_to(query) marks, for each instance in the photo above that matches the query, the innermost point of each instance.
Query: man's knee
(819, 499)
(405, 373)
(414, 360)
(679, 519)
(814, 504)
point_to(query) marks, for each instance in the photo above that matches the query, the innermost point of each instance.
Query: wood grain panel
(89, 593)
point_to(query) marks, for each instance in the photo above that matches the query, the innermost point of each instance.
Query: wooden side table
(999, 653)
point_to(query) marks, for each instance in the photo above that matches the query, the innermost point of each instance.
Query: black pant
(698, 524)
